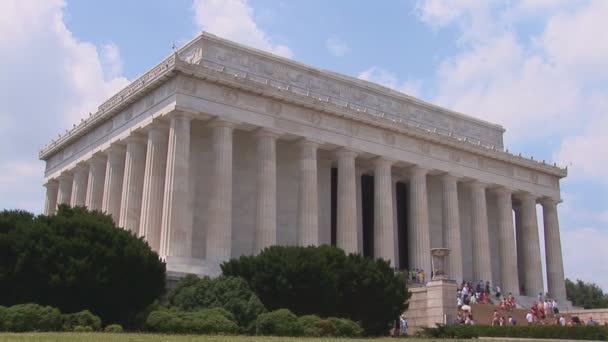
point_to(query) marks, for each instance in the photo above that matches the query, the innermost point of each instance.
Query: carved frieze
(274, 107)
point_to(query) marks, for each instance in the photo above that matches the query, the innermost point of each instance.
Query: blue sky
(538, 67)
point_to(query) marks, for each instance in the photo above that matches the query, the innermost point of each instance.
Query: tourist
(495, 318)
(511, 300)
(562, 321)
(501, 321)
(530, 317)
(512, 321)
(554, 305)
(534, 310)
(422, 276)
(541, 311)
(487, 287)
(402, 325)
(591, 321)
(473, 299)
(539, 298)
(498, 292)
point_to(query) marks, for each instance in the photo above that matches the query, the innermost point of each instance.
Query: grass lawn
(102, 337)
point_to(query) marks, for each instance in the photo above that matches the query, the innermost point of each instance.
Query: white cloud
(584, 264)
(50, 79)
(389, 79)
(336, 46)
(233, 19)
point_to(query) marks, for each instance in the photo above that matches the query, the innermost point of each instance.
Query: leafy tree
(324, 281)
(77, 260)
(230, 293)
(587, 295)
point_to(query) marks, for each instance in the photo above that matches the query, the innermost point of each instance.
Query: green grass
(103, 337)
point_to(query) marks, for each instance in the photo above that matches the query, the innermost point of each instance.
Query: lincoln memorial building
(221, 150)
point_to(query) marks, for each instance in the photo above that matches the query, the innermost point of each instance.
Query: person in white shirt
(562, 321)
(554, 306)
(530, 318)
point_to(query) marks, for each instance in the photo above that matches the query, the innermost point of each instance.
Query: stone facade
(222, 150)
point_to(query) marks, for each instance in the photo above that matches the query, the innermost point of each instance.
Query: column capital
(65, 175)
(418, 170)
(526, 196)
(307, 142)
(96, 160)
(135, 138)
(383, 161)
(548, 201)
(450, 177)
(217, 122)
(502, 190)
(475, 184)
(345, 152)
(267, 132)
(159, 126)
(181, 115)
(80, 167)
(52, 184)
(114, 149)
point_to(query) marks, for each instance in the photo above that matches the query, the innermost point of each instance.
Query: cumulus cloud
(336, 46)
(389, 79)
(50, 79)
(233, 19)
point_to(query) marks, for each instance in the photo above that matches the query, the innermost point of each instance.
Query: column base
(179, 267)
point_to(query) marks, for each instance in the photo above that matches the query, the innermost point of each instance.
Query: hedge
(283, 322)
(205, 321)
(30, 317)
(579, 332)
(280, 322)
(81, 319)
(113, 328)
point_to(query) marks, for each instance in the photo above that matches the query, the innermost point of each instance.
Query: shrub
(82, 328)
(531, 331)
(346, 327)
(324, 281)
(113, 328)
(32, 317)
(83, 319)
(3, 310)
(314, 326)
(281, 322)
(206, 321)
(230, 293)
(77, 260)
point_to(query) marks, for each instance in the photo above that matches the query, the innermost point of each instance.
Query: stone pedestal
(431, 304)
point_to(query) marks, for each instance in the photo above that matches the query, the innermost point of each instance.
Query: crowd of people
(466, 295)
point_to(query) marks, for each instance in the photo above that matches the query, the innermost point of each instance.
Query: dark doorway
(367, 214)
(334, 205)
(402, 224)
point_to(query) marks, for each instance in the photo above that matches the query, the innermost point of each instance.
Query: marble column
(519, 246)
(308, 194)
(65, 189)
(532, 262)
(553, 250)
(451, 227)
(482, 263)
(50, 203)
(95, 182)
(346, 227)
(135, 165)
(176, 229)
(418, 229)
(79, 186)
(112, 190)
(219, 229)
(154, 185)
(384, 230)
(509, 276)
(266, 210)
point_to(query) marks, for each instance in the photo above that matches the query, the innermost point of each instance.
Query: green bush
(31, 317)
(82, 328)
(280, 322)
(325, 281)
(3, 310)
(580, 332)
(346, 327)
(76, 260)
(205, 321)
(113, 328)
(83, 319)
(229, 293)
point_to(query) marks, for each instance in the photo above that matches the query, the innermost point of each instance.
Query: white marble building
(221, 150)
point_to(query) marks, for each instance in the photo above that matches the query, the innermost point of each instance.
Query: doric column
(308, 195)
(346, 231)
(553, 250)
(482, 263)
(266, 211)
(79, 186)
(65, 189)
(219, 230)
(384, 230)
(154, 185)
(135, 165)
(508, 258)
(533, 284)
(50, 204)
(418, 230)
(96, 182)
(451, 226)
(112, 190)
(176, 231)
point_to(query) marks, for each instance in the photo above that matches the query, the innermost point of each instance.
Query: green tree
(229, 293)
(77, 260)
(586, 295)
(324, 281)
